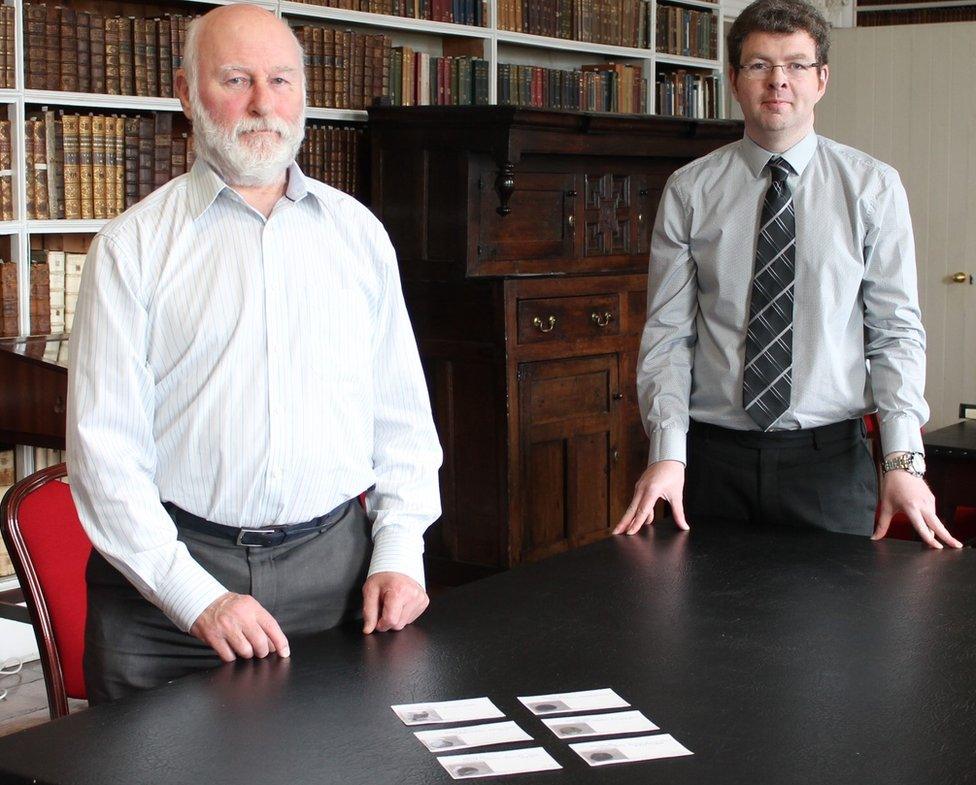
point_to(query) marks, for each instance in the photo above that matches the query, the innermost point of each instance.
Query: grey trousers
(310, 584)
(823, 478)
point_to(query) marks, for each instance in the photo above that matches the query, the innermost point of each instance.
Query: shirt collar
(798, 156)
(205, 185)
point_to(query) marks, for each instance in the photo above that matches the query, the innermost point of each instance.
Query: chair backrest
(50, 551)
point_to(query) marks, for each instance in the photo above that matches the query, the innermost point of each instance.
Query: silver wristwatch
(911, 462)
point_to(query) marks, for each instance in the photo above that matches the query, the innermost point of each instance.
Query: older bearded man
(242, 368)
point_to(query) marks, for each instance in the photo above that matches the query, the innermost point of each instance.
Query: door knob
(960, 277)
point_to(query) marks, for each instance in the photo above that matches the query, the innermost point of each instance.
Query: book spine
(139, 56)
(52, 48)
(69, 51)
(126, 57)
(152, 56)
(98, 166)
(130, 161)
(83, 46)
(9, 299)
(146, 156)
(85, 166)
(42, 210)
(112, 84)
(72, 166)
(119, 173)
(165, 54)
(6, 175)
(55, 266)
(35, 44)
(110, 166)
(40, 298)
(97, 37)
(162, 148)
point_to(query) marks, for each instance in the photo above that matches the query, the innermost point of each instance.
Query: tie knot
(779, 169)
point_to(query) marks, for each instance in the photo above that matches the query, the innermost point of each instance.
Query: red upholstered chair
(49, 551)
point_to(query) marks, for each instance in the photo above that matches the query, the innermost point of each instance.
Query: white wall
(905, 94)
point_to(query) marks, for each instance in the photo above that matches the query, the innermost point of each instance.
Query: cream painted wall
(905, 94)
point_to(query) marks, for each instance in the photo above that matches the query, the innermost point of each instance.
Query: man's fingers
(678, 512)
(279, 643)
(223, 650)
(391, 604)
(371, 606)
(884, 521)
(932, 522)
(644, 515)
(240, 644)
(628, 516)
(414, 609)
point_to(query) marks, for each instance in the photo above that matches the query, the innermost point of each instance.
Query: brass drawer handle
(544, 326)
(601, 321)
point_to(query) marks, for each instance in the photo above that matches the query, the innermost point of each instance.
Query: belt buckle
(271, 530)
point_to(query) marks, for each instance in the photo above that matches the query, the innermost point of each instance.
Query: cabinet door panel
(569, 432)
(538, 225)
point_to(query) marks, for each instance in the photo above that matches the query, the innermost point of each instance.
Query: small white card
(561, 702)
(600, 724)
(471, 736)
(492, 764)
(465, 710)
(609, 751)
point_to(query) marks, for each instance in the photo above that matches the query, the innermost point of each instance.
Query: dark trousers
(308, 584)
(823, 478)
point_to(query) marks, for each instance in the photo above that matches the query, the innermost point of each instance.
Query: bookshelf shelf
(9, 96)
(339, 115)
(567, 45)
(102, 101)
(8, 228)
(692, 3)
(692, 62)
(65, 226)
(317, 12)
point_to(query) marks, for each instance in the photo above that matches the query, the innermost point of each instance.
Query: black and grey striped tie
(768, 377)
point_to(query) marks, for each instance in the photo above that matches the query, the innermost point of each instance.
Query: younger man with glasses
(782, 307)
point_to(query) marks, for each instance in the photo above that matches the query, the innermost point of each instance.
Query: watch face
(918, 463)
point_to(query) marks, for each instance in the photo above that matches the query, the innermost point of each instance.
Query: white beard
(252, 163)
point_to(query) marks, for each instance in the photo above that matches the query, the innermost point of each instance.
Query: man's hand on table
(236, 625)
(661, 480)
(903, 492)
(391, 601)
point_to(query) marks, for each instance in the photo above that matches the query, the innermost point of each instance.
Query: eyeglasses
(792, 71)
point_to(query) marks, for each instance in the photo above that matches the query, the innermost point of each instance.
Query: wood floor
(26, 701)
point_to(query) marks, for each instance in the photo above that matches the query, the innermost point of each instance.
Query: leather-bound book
(72, 175)
(38, 171)
(86, 174)
(9, 59)
(68, 80)
(147, 128)
(97, 44)
(29, 168)
(52, 47)
(162, 148)
(152, 56)
(56, 162)
(327, 95)
(40, 295)
(119, 174)
(139, 56)
(113, 85)
(98, 166)
(316, 73)
(55, 266)
(35, 46)
(126, 56)
(110, 166)
(356, 82)
(165, 56)
(131, 161)
(343, 77)
(83, 45)
(177, 158)
(6, 176)
(9, 300)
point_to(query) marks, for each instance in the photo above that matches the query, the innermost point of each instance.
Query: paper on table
(600, 724)
(608, 751)
(447, 711)
(491, 764)
(587, 700)
(471, 736)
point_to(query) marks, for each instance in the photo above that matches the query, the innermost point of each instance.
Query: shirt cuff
(397, 549)
(188, 592)
(668, 444)
(901, 434)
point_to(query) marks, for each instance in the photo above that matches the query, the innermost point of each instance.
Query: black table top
(958, 440)
(776, 657)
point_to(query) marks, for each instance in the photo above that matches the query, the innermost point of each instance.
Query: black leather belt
(264, 537)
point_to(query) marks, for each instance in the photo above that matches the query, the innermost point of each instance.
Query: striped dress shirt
(858, 340)
(252, 371)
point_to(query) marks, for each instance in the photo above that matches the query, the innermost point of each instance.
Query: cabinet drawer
(568, 318)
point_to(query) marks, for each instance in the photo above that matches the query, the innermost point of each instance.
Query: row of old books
(420, 79)
(9, 300)
(6, 173)
(332, 154)
(96, 166)
(607, 87)
(615, 22)
(80, 51)
(55, 277)
(465, 12)
(683, 31)
(915, 16)
(344, 69)
(684, 94)
(8, 33)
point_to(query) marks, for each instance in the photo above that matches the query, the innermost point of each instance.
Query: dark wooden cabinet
(523, 238)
